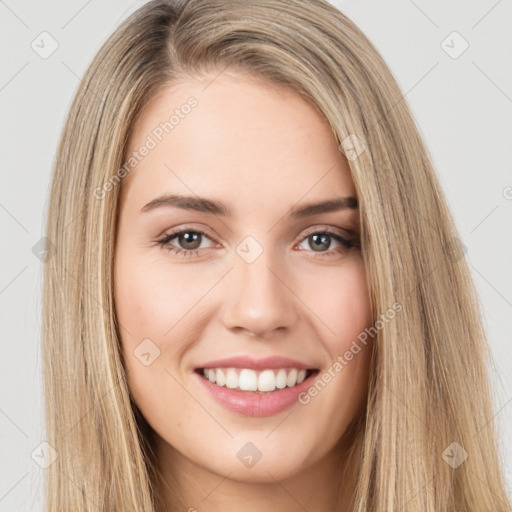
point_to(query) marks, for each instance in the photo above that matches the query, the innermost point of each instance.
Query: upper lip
(256, 364)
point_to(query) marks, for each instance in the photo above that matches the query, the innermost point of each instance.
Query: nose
(259, 297)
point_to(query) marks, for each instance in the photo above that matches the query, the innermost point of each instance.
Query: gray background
(463, 105)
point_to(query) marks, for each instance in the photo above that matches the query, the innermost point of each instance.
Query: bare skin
(262, 150)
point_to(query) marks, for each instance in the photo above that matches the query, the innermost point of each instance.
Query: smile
(263, 381)
(255, 393)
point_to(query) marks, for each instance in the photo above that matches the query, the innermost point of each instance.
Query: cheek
(151, 301)
(344, 312)
(343, 309)
(151, 308)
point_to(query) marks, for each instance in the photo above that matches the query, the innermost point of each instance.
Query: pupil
(190, 238)
(324, 241)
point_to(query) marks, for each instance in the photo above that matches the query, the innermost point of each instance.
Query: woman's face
(250, 279)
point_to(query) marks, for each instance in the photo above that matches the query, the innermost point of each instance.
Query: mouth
(264, 381)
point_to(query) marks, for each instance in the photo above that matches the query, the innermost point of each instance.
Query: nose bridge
(258, 298)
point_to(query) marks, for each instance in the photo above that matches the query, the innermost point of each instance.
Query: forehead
(233, 135)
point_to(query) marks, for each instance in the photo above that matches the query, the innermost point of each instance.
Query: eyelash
(346, 243)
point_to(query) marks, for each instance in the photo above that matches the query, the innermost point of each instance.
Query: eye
(190, 242)
(190, 239)
(322, 240)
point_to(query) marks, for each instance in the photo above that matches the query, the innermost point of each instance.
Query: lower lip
(252, 403)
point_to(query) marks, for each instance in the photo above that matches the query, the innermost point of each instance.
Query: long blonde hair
(429, 384)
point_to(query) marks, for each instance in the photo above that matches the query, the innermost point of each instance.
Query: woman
(200, 354)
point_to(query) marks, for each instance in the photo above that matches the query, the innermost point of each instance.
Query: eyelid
(320, 227)
(343, 232)
(173, 232)
(307, 232)
(347, 234)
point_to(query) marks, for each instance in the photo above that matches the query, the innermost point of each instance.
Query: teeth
(281, 379)
(231, 379)
(266, 381)
(249, 380)
(292, 377)
(220, 378)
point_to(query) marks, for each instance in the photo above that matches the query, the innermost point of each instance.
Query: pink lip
(256, 364)
(252, 403)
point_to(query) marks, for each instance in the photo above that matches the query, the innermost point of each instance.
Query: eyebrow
(204, 205)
